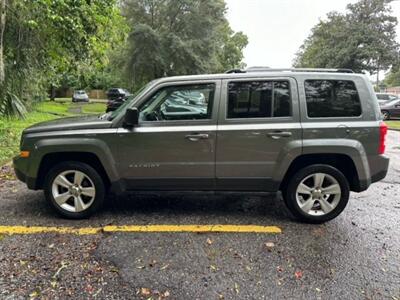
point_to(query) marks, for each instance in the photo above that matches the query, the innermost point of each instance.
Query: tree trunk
(2, 27)
(377, 81)
(52, 93)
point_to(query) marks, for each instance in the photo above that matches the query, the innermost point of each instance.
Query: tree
(2, 27)
(173, 37)
(45, 39)
(363, 39)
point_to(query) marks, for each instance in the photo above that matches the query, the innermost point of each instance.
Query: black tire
(94, 176)
(289, 194)
(386, 115)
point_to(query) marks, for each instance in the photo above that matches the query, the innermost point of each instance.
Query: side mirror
(131, 118)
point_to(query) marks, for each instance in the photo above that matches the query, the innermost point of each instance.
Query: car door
(258, 121)
(395, 111)
(173, 146)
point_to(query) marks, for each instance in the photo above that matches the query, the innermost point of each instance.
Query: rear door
(258, 121)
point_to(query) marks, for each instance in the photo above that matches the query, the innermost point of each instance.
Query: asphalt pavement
(355, 256)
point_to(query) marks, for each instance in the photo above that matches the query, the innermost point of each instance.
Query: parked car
(385, 97)
(313, 134)
(116, 96)
(80, 96)
(391, 109)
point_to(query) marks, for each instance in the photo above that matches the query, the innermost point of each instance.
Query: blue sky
(277, 28)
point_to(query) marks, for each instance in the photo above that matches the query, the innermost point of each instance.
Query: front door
(258, 122)
(173, 147)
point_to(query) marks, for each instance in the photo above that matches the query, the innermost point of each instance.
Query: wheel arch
(51, 159)
(342, 162)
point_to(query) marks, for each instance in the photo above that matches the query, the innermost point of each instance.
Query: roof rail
(267, 69)
(235, 71)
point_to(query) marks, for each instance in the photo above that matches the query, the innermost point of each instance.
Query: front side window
(332, 98)
(186, 102)
(259, 99)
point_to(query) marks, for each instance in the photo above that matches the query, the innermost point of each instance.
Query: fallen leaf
(166, 294)
(214, 268)
(269, 246)
(22, 262)
(236, 288)
(34, 294)
(145, 291)
(298, 274)
(164, 267)
(152, 264)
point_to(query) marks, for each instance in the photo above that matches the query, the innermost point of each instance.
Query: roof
(255, 72)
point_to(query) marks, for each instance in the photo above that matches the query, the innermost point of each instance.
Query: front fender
(89, 145)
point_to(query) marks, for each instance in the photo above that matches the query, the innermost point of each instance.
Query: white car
(80, 96)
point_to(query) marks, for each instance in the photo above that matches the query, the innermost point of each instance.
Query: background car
(391, 109)
(116, 96)
(80, 96)
(385, 97)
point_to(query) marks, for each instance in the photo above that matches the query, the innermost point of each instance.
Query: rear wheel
(317, 193)
(74, 189)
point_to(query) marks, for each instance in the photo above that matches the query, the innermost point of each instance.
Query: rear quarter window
(332, 98)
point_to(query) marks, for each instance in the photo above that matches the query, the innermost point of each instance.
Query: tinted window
(332, 98)
(259, 99)
(189, 102)
(382, 96)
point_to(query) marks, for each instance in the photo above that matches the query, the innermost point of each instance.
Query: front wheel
(317, 193)
(74, 189)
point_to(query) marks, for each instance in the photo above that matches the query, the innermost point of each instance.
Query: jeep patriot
(313, 134)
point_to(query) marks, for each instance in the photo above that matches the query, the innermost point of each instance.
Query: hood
(70, 123)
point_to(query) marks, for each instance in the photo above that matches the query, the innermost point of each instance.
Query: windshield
(112, 114)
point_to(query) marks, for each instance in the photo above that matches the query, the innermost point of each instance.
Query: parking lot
(355, 256)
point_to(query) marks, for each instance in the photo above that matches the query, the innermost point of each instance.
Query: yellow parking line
(10, 230)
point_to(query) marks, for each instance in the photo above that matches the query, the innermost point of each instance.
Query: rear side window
(259, 99)
(382, 97)
(332, 98)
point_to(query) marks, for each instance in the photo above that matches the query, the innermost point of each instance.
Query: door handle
(196, 136)
(279, 134)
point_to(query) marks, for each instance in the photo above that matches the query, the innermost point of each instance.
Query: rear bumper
(379, 166)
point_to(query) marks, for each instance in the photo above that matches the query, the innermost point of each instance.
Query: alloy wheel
(318, 194)
(73, 191)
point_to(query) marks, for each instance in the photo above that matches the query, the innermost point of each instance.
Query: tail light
(383, 128)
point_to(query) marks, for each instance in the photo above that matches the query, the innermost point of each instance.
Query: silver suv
(315, 135)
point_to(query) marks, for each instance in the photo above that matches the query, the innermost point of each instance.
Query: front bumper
(21, 171)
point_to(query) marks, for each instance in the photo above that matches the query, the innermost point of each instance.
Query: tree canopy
(362, 39)
(172, 37)
(41, 40)
(98, 44)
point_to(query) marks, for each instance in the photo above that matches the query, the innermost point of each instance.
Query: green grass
(11, 128)
(393, 124)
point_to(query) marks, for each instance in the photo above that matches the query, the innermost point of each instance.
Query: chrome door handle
(196, 136)
(279, 134)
